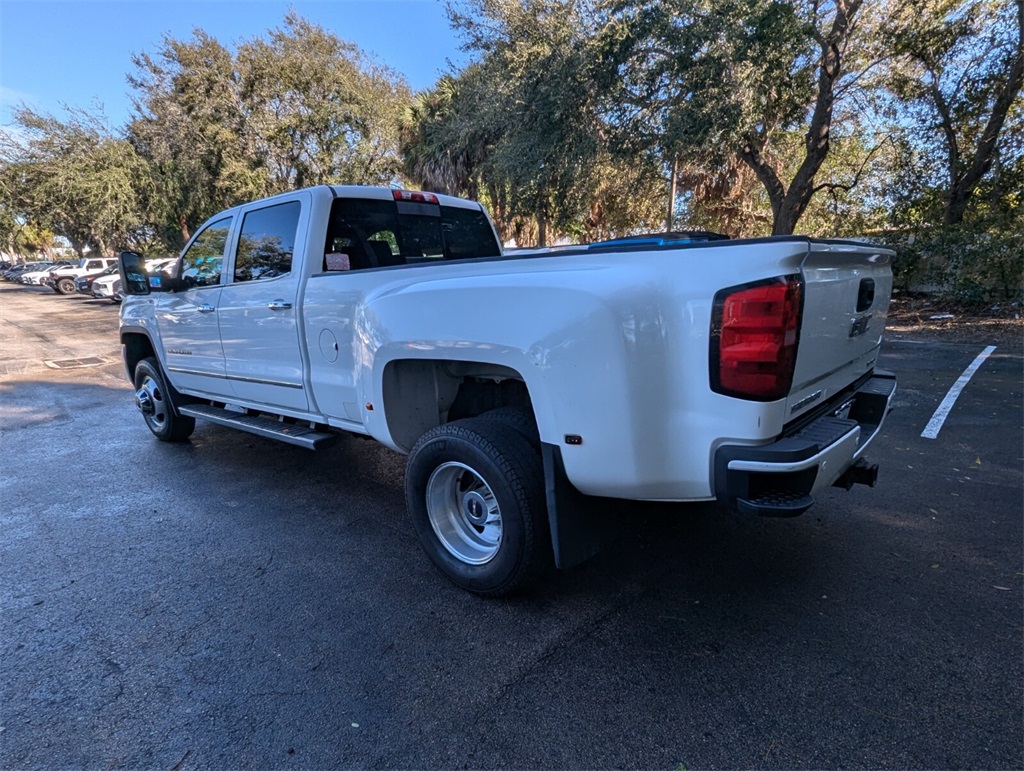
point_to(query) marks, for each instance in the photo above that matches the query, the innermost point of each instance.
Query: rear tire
(519, 418)
(65, 285)
(475, 492)
(155, 400)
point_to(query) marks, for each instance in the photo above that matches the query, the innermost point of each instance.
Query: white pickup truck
(533, 392)
(62, 280)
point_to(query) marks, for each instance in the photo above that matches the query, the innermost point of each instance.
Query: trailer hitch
(860, 473)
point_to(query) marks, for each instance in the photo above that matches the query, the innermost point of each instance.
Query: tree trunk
(542, 227)
(183, 224)
(750, 154)
(789, 204)
(498, 215)
(961, 190)
(673, 179)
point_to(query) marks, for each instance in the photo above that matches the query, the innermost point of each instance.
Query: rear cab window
(367, 233)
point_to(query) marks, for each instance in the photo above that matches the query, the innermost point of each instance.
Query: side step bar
(303, 436)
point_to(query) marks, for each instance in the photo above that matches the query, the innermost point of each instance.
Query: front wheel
(154, 398)
(475, 492)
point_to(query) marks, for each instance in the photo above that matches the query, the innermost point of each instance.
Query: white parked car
(160, 266)
(37, 277)
(108, 287)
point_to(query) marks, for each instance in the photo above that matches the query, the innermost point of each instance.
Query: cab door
(259, 304)
(187, 319)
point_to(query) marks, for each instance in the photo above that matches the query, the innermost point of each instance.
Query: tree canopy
(73, 178)
(577, 120)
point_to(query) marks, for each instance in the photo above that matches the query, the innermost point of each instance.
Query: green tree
(189, 123)
(440, 150)
(73, 177)
(534, 94)
(18, 235)
(707, 82)
(519, 129)
(959, 68)
(317, 110)
(293, 108)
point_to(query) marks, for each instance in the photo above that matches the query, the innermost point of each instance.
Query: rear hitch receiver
(860, 473)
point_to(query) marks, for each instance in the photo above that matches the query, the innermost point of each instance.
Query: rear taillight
(754, 335)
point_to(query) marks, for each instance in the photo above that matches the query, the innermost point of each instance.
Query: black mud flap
(581, 525)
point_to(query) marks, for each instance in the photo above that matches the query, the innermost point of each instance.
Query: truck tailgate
(846, 300)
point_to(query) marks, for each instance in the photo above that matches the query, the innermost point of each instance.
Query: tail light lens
(754, 334)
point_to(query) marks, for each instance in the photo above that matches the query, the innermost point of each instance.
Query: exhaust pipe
(860, 473)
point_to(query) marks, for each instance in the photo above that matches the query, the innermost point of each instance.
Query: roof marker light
(414, 196)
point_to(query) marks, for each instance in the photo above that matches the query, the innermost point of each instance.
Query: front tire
(155, 400)
(475, 492)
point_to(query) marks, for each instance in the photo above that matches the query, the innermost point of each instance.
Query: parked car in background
(83, 284)
(37, 277)
(161, 266)
(108, 286)
(13, 273)
(63, 279)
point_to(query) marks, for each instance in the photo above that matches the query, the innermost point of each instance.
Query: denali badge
(176, 350)
(860, 326)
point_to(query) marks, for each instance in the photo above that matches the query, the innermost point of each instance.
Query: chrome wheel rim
(149, 398)
(464, 513)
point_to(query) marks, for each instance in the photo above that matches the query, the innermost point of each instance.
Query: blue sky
(78, 52)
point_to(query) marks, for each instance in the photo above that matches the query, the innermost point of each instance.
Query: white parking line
(931, 431)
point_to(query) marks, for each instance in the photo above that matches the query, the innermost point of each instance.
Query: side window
(94, 265)
(201, 263)
(267, 242)
(467, 233)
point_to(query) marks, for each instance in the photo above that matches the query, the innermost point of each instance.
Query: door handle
(279, 305)
(205, 308)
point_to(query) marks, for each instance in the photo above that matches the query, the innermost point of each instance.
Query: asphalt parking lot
(233, 602)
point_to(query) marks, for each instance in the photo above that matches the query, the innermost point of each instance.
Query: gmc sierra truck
(533, 392)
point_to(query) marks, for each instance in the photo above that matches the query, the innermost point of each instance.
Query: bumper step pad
(776, 480)
(779, 503)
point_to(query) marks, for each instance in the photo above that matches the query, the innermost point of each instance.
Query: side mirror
(134, 279)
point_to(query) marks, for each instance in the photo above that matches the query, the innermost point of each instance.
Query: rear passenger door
(258, 309)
